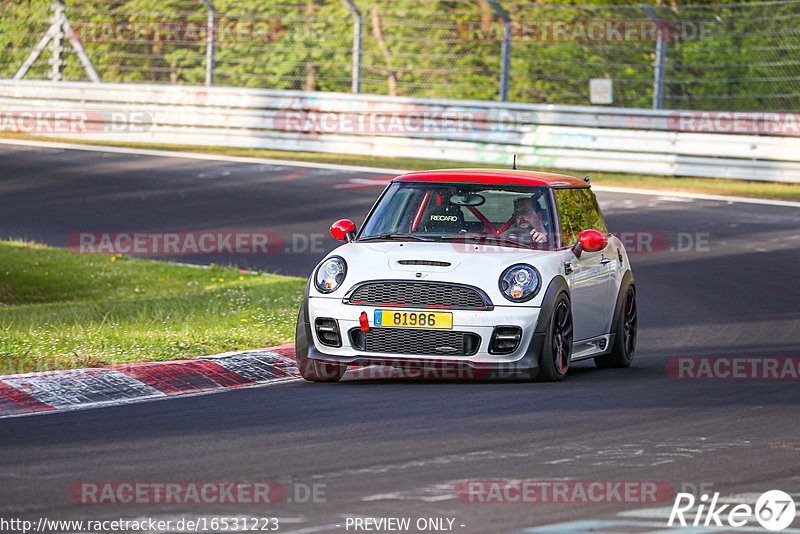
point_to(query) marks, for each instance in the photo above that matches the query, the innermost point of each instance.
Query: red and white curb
(117, 384)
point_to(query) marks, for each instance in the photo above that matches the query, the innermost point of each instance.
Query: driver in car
(528, 225)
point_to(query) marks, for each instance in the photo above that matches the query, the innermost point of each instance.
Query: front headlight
(330, 274)
(520, 283)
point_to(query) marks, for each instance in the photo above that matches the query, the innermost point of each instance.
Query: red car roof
(492, 176)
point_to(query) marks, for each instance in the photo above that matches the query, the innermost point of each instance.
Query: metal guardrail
(755, 146)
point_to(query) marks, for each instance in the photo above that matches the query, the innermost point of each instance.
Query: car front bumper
(481, 323)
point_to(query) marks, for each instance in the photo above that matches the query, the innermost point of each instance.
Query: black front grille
(410, 341)
(428, 263)
(419, 294)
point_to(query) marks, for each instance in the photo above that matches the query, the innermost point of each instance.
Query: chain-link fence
(733, 56)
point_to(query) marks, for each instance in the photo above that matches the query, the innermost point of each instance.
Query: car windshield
(504, 215)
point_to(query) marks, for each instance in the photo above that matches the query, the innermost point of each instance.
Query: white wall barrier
(754, 146)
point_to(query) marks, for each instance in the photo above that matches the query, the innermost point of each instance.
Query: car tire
(317, 371)
(310, 369)
(624, 345)
(557, 347)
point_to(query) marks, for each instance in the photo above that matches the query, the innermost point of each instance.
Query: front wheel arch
(623, 341)
(556, 353)
(540, 342)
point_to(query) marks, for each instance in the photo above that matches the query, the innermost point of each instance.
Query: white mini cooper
(472, 273)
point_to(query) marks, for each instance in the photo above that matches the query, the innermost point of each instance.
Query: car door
(609, 257)
(590, 276)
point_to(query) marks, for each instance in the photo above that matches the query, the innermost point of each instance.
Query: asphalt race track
(49, 194)
(729, 287)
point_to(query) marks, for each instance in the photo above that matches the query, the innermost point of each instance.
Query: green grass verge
(710, 186)
(60, 309)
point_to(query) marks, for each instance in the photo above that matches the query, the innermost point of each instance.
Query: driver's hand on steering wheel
(538, 236)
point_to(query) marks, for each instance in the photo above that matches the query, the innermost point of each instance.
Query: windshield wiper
(388, 236)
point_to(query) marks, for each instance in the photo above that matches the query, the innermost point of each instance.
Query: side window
(571, 216)
(593, 216)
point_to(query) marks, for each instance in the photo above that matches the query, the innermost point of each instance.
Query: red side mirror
(592, 240)
(343, 230)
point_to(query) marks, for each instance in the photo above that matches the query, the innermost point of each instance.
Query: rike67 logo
(774, 510)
